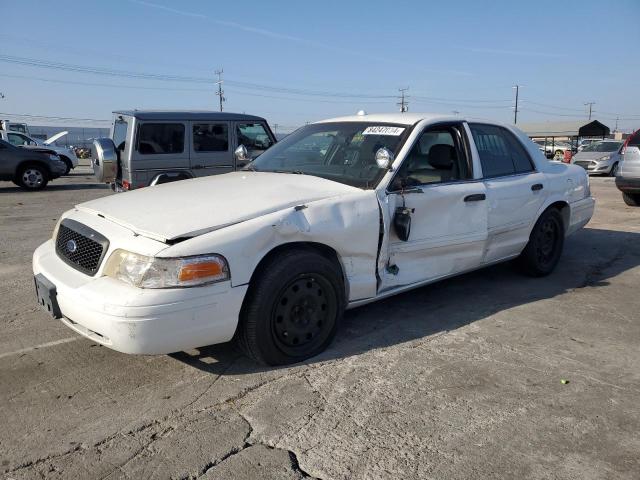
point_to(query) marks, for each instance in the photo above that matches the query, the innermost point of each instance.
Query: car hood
(591, 155)
(188, 208)
(57, 136)
(34, 148)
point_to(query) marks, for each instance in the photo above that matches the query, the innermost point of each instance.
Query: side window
(253, 136)
(17, 139)
(500, 152)
(210, 137)
(438, 156)
(161, 138)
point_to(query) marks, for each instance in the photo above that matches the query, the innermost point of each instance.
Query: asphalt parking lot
(461, 379)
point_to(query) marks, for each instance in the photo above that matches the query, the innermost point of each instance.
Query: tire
(614, 170)
(32, 177)
(631, 199)
(292, 308)
(68, 163)
(542, 253)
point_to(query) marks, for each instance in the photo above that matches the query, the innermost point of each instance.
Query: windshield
(342, 151)
(602, 147)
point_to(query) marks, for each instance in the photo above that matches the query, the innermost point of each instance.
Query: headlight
(154, 272)
(605, 157)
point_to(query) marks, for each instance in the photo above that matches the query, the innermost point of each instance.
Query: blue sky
(294, 62)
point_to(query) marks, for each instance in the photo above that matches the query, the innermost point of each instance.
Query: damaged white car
(338, 214)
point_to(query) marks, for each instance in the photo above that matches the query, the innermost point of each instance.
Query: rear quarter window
(161, 138)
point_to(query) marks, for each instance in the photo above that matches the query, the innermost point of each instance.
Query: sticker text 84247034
(382, 130)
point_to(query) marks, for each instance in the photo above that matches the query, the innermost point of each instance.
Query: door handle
(476, 197)
(537, 186)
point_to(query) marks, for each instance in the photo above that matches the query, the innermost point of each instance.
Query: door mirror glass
(384, 158)
(241, 154)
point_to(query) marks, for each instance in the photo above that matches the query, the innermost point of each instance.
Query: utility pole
(616, 129)
(275, 128)
(220, 92)
(515, 109)
(404, 102)
(591, 104)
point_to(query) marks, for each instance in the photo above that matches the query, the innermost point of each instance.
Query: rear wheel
(631, 199)
(292, 308)
(32, 177)
(542, 253)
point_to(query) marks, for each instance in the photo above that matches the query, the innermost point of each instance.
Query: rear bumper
(581, 213)
(140, 321)
(628, 185)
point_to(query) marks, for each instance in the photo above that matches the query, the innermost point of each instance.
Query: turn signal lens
(201, 270)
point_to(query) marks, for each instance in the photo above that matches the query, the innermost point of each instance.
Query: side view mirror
(402, 223)
(384, 158)
(241, 154)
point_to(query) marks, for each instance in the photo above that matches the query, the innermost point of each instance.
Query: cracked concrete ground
(461, 379)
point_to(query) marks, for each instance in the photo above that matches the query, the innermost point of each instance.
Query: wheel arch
(25, 163)
(325, 250)
(563, 207)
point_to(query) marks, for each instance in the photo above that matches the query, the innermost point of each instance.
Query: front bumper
(628, 184)
(135, 320)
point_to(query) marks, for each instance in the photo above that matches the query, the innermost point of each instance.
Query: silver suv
(153, 147)
(628, 178)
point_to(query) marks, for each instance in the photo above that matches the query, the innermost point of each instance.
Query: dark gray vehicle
(628, 178)
(29, 167)
(153, 147)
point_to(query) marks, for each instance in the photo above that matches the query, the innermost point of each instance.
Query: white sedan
(340, 213)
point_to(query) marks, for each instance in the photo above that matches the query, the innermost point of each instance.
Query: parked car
(601, 157)
(628, 178)
(585, 142)
(151, 147)
(10, 126)
(30, 167)
(66, 154)
(553, 150)
(340, 213)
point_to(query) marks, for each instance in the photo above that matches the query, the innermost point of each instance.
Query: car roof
(187, 115)
(398, 117)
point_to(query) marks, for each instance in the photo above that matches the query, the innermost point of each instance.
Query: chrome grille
(80, 246)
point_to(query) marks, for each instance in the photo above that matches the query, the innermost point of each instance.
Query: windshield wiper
(295, 172)
(249, 167)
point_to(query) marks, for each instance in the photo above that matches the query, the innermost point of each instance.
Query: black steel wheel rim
(547, 238)
(304, 314)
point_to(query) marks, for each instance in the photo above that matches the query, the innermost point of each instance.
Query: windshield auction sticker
(395, 131)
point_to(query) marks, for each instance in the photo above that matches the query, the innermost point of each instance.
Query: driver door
(447, 207)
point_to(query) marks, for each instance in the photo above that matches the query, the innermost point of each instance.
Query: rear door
(515, 190)
(211, 151)
(255, 136)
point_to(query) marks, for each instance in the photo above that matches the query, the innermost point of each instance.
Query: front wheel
(631, 199)
(32, 177)
(292, 308)
(542, 253)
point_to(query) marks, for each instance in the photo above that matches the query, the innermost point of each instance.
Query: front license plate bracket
(47, 295)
